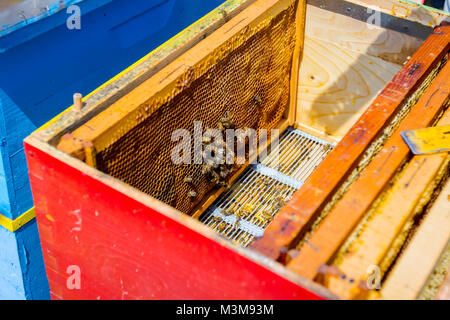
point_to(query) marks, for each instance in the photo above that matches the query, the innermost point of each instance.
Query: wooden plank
(124, 114)
(336, 85)
(410, 274)
(130, 246)
(342, 219)
(385, 224)
(297, 57)
(371, 247)
(306, 203)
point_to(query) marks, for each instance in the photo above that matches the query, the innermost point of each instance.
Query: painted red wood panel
(125, 249)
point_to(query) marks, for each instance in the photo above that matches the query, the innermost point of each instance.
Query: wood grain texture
(352, 34)
(346, 63)
(337, 85)
(127, 249)
(417, 262)
(306, 203)
(342, 219)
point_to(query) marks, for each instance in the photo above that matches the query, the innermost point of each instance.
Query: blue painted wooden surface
(42, 64)
(11, 283)
(22, 272)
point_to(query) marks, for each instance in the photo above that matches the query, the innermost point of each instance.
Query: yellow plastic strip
(428, 140)
(16, 224)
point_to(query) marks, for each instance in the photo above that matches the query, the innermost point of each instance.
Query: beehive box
(142, 226)
(42, 63)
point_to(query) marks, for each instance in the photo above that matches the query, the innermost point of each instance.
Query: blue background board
(41, 65)
(11, 283)
(22, 273)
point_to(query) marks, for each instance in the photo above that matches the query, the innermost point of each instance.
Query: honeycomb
(247, 78)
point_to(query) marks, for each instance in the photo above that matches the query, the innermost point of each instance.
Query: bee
(188, 179)
(214, 176)
(229, 157)
(228, 212)
(210, 149)
(277, 207)
(242, 214)
(268, 216)
(220, 126)
(266, 182)
(192, 194)
(224, 172)
(276, 190)
(226, 125)
(226, 117)
(256, 99)
(226, 122)
(217, 219)
(218, 159)
(224, 184)
(241, 138)
(260, 216)
(182, 84)
(206, 169)
(212, 164)
(222, 226)
(246, 211)
(206, 139)
(220, 153)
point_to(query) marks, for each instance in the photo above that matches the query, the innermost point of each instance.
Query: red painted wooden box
(118, 220)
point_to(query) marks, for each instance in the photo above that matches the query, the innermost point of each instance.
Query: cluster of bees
(216, 171)
(218, 167)
(191, 193)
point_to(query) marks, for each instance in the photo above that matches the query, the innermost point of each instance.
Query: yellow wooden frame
(95, 135)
